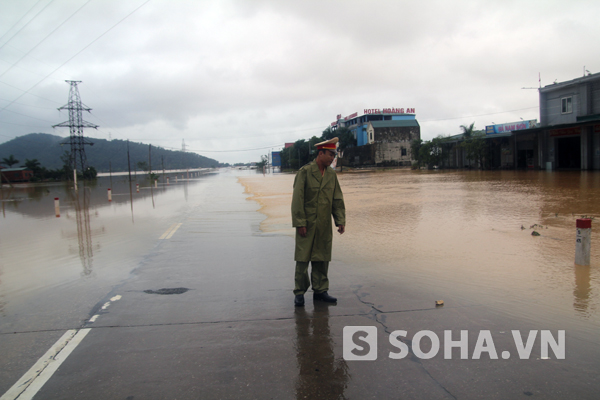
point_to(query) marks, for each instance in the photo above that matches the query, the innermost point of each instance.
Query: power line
(31, 126)
(29, 116)
(22, 90)
(46, 37)
(480, 115)
(20, 19)
(32, 58)
(28, 22)
(28, 105)
(76, 54)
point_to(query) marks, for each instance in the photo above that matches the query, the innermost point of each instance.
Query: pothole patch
(178, 290)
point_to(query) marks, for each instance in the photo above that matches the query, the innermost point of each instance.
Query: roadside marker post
(583, 241)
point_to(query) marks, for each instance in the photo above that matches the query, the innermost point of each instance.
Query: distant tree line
(41, 173)
(304, 151)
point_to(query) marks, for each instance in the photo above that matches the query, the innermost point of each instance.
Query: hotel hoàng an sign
(375, 111)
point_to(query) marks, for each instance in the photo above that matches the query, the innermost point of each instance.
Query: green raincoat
(316, 198)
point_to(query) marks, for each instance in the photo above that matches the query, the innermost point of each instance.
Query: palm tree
(468, 130)
(33, 165)
(10, 161)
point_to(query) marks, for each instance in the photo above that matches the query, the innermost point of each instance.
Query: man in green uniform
(317, 196)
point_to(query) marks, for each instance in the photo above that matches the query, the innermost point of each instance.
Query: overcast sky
(227, 76)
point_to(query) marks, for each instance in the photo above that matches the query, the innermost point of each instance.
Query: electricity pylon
(76, 125)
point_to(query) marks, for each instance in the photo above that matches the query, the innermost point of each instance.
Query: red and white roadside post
(109, 195)
(137, 187)
(583, 241)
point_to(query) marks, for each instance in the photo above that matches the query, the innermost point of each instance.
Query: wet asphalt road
(236, 334)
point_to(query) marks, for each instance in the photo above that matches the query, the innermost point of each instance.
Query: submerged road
(208, 314)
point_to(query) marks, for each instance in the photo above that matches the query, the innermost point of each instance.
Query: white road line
(44, 368)
(173, 231)
(164, 235)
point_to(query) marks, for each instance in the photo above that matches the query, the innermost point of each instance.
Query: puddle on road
(166, 291)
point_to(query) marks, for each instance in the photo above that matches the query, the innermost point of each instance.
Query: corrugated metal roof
(394, 124)
(497, 135)
(583, 79)
(13, 169)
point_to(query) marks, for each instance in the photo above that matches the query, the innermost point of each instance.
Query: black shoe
(299, 300)
(324, 297)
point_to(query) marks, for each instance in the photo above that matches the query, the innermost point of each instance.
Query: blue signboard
(276, 157)
(510, 127)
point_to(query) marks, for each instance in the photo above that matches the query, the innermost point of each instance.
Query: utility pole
(185, 159)
(150, 161)
(128, 163)
(76, 125)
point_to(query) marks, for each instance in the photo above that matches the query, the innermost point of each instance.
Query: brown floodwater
(466, 232)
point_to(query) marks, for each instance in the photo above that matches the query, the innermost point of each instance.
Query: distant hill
(47, 149)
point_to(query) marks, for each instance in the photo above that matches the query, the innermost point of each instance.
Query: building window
(566, 105)
(403, 151)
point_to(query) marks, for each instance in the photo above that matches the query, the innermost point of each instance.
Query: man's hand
(301, 231)
(341, 229)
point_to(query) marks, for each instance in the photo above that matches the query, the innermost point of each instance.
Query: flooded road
(468, 233)
(186, 291)
(68, 263)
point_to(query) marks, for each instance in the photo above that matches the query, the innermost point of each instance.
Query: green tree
(312, 148)
(346, 137)
(467, 131)
(429, 153)
(475, 150)
(66, 172)
(35, 167)
(285, 157)
(328, 133)
(263, 162)
(143, 165)
(90, 173)
(10, 161)
(475, 147)
(299, 154)
(415, 148)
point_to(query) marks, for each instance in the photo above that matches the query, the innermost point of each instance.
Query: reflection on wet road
(92, 246)
(320, 374)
